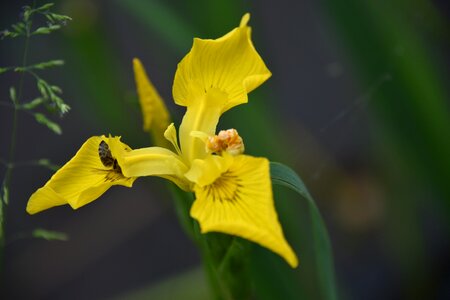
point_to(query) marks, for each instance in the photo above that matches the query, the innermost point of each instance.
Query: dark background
(358, 104)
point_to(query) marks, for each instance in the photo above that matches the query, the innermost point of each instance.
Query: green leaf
(48, 92)
(6, 33)
(2, 229)
(44, 7)
(32, 104)
(13, 95)
(42, 119)
(182, 205)
(233, 269)
(20, 69)
(48, 64)
(283, 175)
(42, 87)
(59, 18)
(41, 66)
(27, 13)
(19, 28)
(63, 108)
(5, 194)
(56, 89)
(226, 257)
(3, 70)
(49, 235)
(46, 30)
(42, 30)
(47, 163)
(210, 245)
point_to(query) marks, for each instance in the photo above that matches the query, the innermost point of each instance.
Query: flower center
(225, 188)
(227, 140)
(106, 157)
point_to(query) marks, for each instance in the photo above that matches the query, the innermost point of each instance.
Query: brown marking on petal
(113, 176)
(225, 188)
(105, 155)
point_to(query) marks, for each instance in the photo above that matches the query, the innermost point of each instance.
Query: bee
(106, 157)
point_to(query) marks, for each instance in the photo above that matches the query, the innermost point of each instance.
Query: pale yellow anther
(227, 140)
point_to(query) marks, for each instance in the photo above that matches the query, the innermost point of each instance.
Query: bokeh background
(358, 105)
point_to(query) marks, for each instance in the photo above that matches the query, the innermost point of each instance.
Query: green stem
(227, 257)
(219, 288)
(12, 147)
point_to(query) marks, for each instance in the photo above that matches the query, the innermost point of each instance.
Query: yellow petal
(203, 136)
(154, 112)
(83, 179)
(154, 161)
(200, 116)
(205, 171)
(229, 64)
(240, 202)
(171, 135)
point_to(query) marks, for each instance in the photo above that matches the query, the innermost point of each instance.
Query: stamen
(227, 140)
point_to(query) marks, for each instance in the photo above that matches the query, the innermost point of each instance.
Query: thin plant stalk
(12, 145)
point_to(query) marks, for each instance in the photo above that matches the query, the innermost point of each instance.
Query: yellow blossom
(233, 191)
(215, 76)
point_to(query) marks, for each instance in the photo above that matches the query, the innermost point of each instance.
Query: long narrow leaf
(283, 175)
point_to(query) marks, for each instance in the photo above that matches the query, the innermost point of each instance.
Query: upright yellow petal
(92, 171)
(154, 112)
(229, 64)
(201, 116)
(212, 78)
(239, 202)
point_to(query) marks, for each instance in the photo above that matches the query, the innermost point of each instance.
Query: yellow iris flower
(233, 191)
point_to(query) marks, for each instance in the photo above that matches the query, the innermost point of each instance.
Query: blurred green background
(358, 105)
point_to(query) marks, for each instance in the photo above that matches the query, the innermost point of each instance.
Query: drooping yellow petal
(229, 64)
(154, 161)
(84, 178)
(154, 112)
(239, 202)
